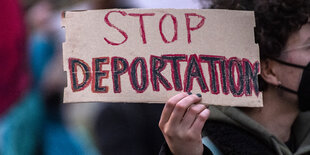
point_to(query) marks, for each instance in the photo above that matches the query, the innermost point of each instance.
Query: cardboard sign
(149, 55)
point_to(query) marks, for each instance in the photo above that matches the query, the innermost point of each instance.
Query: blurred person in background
(14, 79)
(17, 101)
(282, 125)
(41, 41)
(27, 126)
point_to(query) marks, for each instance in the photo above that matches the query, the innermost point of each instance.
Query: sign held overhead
(149, 55)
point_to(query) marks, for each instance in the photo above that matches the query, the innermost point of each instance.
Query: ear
(268, 72)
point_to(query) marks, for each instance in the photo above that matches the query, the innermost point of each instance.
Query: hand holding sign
(149, 55)
(181, 123)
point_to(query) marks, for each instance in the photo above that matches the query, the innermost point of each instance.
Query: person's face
(297, 51)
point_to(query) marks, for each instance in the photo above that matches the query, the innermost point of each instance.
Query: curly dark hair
(276, 20)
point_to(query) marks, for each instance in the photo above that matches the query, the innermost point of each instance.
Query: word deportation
(244, 83)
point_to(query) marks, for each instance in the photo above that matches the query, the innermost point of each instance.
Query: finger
(200, 121)
(191, 115)
(181, 107)
(169, 106)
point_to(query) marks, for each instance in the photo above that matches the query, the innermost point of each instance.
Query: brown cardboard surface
(204, 47)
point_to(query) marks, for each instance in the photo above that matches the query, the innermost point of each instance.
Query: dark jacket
(233, 132)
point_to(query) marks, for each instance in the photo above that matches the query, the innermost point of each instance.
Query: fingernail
(189, 93)
(199, 95)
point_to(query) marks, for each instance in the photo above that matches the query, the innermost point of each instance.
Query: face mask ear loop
(293, 65)
(287, 89)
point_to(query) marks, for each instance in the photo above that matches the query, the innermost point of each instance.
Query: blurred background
(33, 119)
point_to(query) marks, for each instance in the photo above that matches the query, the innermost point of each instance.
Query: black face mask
(304, 86)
